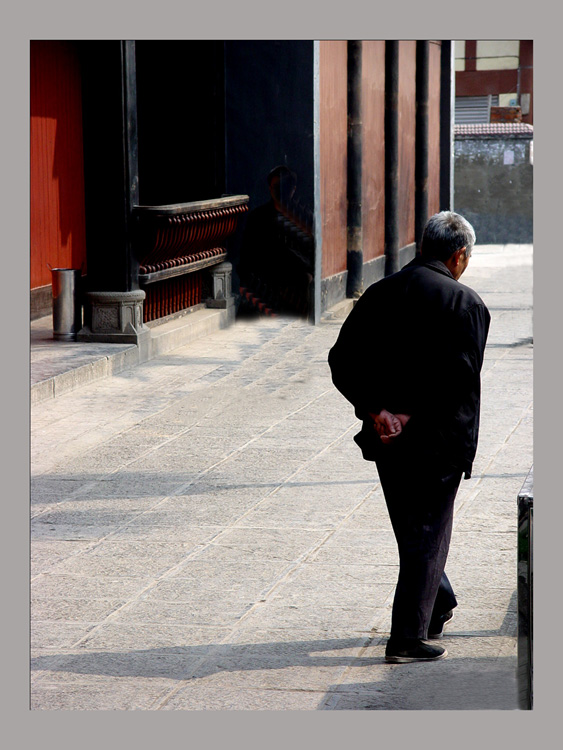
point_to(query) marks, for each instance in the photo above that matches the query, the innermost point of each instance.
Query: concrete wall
(493, 186)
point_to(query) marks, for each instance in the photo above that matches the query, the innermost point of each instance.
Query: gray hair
(445, 233)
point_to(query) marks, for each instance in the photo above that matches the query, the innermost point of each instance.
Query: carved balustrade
(175, 244)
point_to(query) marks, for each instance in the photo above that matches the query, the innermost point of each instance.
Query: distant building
(494, 81)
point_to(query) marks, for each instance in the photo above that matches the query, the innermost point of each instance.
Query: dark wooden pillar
(110, 161)
(526, 71)
(392, 262)
(447, 113)
(354, 256)
(421, 159)
(113, 310)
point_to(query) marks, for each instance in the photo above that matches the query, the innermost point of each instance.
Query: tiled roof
(494, 129)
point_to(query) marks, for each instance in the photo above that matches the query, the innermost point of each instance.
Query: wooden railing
(175, 243)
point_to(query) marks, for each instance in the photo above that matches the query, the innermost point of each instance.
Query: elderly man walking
(408, 358)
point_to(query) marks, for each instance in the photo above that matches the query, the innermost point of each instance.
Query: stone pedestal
(221, 289)
(115, 317)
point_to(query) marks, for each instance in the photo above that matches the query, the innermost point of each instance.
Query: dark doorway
(181, 112)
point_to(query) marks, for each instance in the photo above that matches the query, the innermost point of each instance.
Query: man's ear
(458, 254)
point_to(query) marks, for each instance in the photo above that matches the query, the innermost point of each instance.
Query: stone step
(58, 367)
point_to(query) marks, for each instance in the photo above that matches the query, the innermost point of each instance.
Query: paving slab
(125, 637)
(109, 694)
(198, 697)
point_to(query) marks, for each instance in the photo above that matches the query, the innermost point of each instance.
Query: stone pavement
(206, 535)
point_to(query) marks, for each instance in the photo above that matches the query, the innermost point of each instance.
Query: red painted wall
(373, 151)
(333, 139)
(333, 149)
(57, 227)
(434, 127)
(407, 138)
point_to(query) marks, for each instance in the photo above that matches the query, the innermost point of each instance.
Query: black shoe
(436, 629)
(412, 650)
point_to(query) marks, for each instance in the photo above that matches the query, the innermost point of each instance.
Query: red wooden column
(57, 227)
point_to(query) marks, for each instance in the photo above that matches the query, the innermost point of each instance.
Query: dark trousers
(420, 495)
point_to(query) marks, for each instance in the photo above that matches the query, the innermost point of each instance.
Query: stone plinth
(221, 289)
(115, 317)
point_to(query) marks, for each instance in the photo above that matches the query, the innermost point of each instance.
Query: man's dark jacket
(414, 344)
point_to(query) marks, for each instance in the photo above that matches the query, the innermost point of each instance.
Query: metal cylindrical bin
(67, 303)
